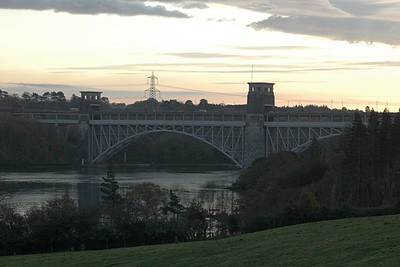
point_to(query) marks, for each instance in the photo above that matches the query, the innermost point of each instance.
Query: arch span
(107, 140)
(306, 145)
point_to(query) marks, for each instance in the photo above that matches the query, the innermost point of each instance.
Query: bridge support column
(254, 139)
(84, 138)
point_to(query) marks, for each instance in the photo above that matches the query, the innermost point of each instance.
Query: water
(35, 187)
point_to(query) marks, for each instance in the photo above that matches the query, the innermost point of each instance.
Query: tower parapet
(90, 101)
(260, 98)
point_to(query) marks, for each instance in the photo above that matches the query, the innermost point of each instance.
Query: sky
(324, 52)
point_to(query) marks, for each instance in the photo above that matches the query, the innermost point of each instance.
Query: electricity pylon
(152, 91)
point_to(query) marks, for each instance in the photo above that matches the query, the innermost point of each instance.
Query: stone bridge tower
(260, 99)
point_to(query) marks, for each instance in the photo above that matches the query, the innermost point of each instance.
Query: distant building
(260, 98)
(90, 101)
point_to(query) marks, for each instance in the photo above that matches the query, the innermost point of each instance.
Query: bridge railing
(54, 117)
(327, 117)
(173, 116)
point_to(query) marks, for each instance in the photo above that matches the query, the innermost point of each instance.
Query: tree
(189, 106)
(203, 104)
(354, 166)
(26, 96)
(13, 231)
(47, 96)
(52, 226)
(371, 187)
(144, 201)
(112, 207)
(195, 220)
(173, 206)
(386, 157)
(395, 145)
(105, 100)
(109, 188)
(74, 101)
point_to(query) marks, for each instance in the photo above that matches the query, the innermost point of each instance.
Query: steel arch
(106, 140)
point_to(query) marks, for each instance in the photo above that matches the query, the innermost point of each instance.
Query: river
(33, 187)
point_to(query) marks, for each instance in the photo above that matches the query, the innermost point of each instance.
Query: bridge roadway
(241, 137)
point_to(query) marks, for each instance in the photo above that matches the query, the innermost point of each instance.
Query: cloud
(288, 7)
(353, 21)
(378, 64)
(201, 55)
(222, 19)
(191, 67)
(184, 3)
(191, 4)
(93, 7)
(349, 29)
(349, 20)
(364, 7)
(274, 48)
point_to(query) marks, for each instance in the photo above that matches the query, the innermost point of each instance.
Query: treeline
(357, 174)
(57, 100)
(54, 100)
(24, 142)
(147, 214)
(177, 106)
(371, 170)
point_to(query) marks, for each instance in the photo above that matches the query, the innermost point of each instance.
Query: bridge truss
(296, 139)
(288, 132)
(106, 138)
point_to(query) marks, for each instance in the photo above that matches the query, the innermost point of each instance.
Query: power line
(196, 90)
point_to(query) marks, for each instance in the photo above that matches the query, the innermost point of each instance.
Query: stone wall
(254, 139)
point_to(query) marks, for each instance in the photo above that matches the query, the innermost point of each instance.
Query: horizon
(332, 106)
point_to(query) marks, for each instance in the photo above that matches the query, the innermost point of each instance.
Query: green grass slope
(372, 241)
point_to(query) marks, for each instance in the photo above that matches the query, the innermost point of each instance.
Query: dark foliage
(59, 225)
(25, 142)
(357, 176)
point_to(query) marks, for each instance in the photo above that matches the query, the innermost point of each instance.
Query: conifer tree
(109, 189)
(372, 160)
(395, 137)
(173, 206)
(386, 183)
(395, 145)
(111, 202)
(355, 162)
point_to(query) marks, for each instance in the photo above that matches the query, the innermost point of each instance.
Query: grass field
(372, 241)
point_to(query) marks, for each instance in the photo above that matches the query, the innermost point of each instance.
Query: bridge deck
(271, 119)
(168, 116)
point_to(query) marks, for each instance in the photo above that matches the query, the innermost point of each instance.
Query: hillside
(348, 242)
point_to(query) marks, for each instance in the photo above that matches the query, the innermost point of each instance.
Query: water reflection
(34, 188)
(88, 194)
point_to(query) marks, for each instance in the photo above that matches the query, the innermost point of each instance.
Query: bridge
(242, 137)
